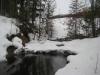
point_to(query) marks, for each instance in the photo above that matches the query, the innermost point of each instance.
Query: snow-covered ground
(7, 26)
(86, 62)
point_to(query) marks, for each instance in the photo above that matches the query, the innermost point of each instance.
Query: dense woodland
(33, 17)
(84, 26)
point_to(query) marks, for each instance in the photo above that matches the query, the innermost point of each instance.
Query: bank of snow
(7, 27)
(87, 62)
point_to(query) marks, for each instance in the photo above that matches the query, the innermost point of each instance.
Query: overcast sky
(62, 6)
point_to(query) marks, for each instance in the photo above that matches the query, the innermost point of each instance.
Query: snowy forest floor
(86, 62)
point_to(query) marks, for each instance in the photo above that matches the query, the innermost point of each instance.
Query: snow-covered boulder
(7, 27)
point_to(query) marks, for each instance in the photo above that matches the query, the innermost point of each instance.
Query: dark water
(48, 65)
(36, 65)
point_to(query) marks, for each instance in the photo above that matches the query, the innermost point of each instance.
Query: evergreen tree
(74, 23)
(31, 14)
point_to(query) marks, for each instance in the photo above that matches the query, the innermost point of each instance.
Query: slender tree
(49, 23)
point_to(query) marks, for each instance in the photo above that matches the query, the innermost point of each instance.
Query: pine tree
(74, 23)
(29, 13)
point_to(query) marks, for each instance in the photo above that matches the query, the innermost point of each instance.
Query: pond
(38, 63)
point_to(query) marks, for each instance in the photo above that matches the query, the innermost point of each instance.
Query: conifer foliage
(32, 15)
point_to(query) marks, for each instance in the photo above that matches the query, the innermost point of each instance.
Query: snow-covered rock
(7, 27)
